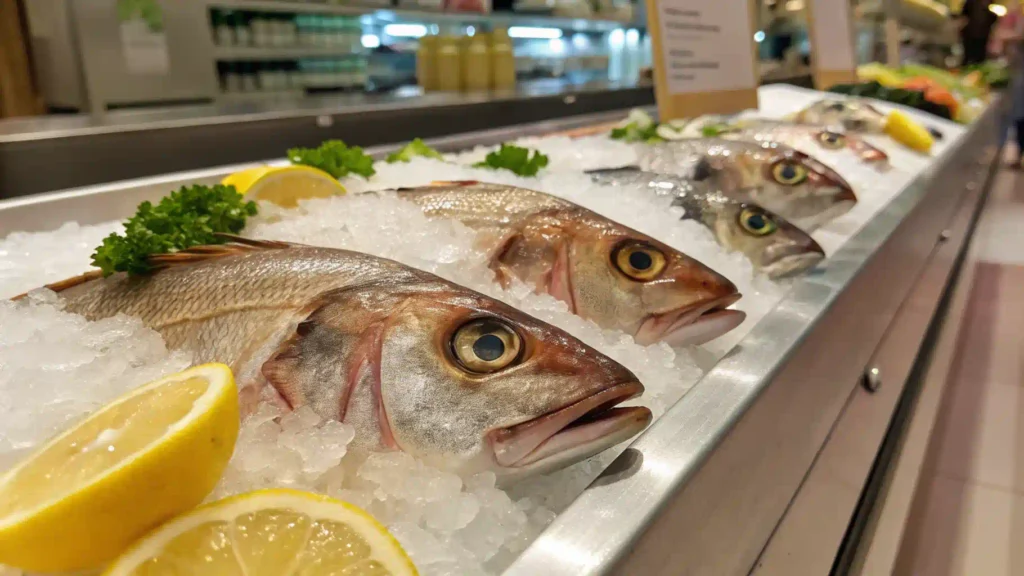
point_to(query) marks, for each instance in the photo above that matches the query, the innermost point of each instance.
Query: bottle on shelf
(503, 61)
(449, 65)
(426, 63)
(260, 26)
(223, 32)
(476, 69)
(241, 27)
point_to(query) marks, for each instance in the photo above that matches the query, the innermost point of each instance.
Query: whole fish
(772, 244)
(413, 362)
(791, 134)
(851, 114)
(604, 271)
(772, 175)
(784, 132)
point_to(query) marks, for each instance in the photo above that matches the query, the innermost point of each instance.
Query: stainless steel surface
(872, 379)
(818, 518)
(139, 144)
(885, 527)
(702, 490)
(111, 201)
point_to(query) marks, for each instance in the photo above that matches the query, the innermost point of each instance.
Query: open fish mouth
(691, 325)
(574, 432)
(788, 260)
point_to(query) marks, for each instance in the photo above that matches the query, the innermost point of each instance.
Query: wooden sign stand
(684, 103)
(831, 62)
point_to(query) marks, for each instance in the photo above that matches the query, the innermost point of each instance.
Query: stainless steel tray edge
(606, 529)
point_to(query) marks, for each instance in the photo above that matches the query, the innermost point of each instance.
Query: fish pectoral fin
(503, 244)
(235, 245)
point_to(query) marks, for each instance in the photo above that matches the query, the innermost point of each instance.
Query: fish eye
(789, 173)
(757, 222)
(639, 261)
(831, 140)
(483, 346)
(837, 106)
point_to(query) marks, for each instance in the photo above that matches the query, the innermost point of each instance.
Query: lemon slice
(268, 533)
(284, 185)
(86, 495)
(906, 131)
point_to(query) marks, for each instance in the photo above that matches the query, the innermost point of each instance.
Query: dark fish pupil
(756, 221)
(788, 172)
(640, 260)
(488, 347)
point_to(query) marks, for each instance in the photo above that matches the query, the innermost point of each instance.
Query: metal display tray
(704, 489)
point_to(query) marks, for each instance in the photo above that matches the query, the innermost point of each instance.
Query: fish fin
(703, 170)
(68, 283)
(502, 272)
(236, 245)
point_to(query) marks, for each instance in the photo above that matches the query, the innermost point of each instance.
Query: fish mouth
(691, 325)
(793, 264)
(573, 432)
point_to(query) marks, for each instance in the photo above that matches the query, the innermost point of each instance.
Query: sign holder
(833, 46)
(705, 56)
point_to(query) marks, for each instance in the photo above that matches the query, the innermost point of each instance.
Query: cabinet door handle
(872, 379)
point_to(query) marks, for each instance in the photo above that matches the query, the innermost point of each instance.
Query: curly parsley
(515, 159)
(335, 158)
(191, 216)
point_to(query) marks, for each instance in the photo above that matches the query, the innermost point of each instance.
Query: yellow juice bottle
(449, 67)
(503, 61)
(426, 63)
(476, 72)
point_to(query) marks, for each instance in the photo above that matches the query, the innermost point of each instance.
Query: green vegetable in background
(515, 159)
(415, 148)
(335, 158)
(633, 133)
(147, 10)
(191, 216)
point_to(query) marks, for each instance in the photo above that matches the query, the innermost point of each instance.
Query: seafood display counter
(772, 448)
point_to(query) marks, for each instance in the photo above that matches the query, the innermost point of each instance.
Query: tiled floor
(971, 522)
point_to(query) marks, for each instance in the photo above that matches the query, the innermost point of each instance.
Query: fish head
(626, 280)
(769, 241)
(468, 384)
(853, 115)
(779, 178)
(831, 139)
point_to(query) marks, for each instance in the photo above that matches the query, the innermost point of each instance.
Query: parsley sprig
(336, 158)
(191, 216)
(515, 159)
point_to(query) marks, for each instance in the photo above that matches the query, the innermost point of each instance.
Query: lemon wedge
(86, 495)
(284, 185)
(906, 131)
(268, 533)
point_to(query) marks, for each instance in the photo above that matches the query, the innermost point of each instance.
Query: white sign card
(706, 45)
(832, 36)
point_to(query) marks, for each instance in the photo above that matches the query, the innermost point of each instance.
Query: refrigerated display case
(795, 447)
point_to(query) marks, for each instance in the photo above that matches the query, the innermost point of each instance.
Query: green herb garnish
(415, 148)
(335, 158)
(191, 216)
(515, 159)
(712, 130)
(632, 132)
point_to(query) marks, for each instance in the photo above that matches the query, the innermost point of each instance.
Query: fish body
(617, 277)
(770, 242)
(768, 174)
(850, 114)
(825, 138)
(413, 362)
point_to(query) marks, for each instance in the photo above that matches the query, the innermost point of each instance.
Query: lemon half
(268, 533)
(86, 495)
(284, 185)
(906, 131)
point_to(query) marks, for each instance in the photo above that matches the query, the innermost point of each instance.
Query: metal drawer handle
(945, 235)
(872, 379)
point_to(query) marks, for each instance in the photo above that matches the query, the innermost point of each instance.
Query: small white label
(706, 45)
(832, 38)
(145, 51)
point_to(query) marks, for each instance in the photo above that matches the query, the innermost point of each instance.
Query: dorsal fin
(235, 245)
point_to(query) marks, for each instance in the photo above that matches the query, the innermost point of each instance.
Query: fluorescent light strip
(534, 32)
(406, 30)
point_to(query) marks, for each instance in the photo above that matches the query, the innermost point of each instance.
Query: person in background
(779, 31)
(1008, 42)
(976, 21)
